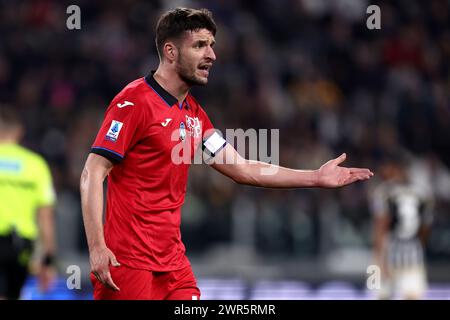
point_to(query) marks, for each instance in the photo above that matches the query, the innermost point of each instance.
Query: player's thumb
(113, 260)
(340, 159)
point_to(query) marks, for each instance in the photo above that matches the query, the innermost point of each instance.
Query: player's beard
(186, 71)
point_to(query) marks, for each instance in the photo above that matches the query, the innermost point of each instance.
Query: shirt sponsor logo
(193, 125)
(125, 103)
(114, 130)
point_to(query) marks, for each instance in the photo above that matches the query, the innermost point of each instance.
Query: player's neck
(172, 83)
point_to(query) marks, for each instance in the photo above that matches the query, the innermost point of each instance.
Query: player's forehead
(199, 35)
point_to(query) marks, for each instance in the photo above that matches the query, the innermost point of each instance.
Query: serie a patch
(114, 131)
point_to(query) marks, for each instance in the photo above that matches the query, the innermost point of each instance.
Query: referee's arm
(45, 217)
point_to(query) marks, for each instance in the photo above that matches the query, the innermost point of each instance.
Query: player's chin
(201, 77)
(201, 81)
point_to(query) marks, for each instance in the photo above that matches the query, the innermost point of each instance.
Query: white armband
(214, 144)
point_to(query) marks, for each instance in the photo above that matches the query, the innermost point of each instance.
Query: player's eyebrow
(204, 42)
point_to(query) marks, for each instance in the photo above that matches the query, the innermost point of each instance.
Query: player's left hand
(331, 175)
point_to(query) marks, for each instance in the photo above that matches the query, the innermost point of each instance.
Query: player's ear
(170, 51)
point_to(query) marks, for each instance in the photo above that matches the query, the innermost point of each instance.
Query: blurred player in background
(403, 217)
(27, 198)
(144, 123)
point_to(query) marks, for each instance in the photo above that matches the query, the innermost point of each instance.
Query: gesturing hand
(331, 175)
(100, 259)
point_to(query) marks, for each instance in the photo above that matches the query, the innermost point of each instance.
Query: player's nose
(210, 54)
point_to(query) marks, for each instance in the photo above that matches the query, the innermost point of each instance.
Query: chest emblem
(193, 125)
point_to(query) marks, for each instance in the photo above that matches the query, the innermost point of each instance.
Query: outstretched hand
(331, 175)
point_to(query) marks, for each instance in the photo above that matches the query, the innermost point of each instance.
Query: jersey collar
(169, 99)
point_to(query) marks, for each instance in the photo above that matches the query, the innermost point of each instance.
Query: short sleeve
(120, 128)
(207, 126)
(212, 141)
(46, 195)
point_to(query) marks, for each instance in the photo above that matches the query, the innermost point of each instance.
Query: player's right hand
(100, 259)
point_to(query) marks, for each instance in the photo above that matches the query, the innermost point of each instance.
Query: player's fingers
(100, 274)
(340, 159)
(100, 278)
(363, 176)
(108, 281)
(356, 177)
(96, 275)
(351, 179)
(361, 171)
(113, 260)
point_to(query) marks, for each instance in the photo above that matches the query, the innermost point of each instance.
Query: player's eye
(200, 44)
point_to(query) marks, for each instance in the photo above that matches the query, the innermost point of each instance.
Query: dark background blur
(310, 68)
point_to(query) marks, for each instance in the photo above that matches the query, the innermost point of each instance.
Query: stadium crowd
(311, 69)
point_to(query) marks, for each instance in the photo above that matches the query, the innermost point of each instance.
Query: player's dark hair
(172, 24)
(9, 118)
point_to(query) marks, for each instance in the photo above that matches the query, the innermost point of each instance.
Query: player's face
(196, 56)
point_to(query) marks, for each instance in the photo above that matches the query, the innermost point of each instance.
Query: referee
(26, 210)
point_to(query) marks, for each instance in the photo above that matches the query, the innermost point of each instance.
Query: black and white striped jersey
(408, 211)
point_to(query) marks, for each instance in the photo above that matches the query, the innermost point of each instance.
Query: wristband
(48, 260)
